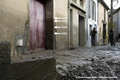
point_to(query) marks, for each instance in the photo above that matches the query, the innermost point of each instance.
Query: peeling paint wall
(13, 16)
(75, 27)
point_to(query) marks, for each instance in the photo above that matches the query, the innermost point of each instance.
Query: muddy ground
(95, 63)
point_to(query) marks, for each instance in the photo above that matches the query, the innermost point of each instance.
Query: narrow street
(98, 61)
(59, 40)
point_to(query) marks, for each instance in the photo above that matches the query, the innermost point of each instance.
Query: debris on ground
(96, 63)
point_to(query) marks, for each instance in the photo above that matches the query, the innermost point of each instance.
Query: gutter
(104, 4)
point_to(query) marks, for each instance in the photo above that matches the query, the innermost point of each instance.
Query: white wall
(91, 22)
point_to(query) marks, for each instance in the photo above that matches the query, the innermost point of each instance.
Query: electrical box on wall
(19, 42)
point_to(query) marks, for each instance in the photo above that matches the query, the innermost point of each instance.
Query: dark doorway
(90, 30)
(104, 33)
(71, 28)
(81, 31)
(37, 24)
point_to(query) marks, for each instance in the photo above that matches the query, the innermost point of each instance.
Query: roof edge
(116, 10)
(104, 4)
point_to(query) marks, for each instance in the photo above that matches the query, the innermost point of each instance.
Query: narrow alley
(60, 40)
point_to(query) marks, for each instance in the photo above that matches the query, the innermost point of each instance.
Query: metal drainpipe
(68, 25)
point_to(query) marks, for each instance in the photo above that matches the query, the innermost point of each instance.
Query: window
(93, 10)
(90, 8)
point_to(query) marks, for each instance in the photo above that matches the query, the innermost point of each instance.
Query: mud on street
(78, 64)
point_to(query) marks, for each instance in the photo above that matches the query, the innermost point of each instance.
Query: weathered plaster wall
(13, 16)
(79, 28)
(75, 27)
(61, 24)
(101, 17)
(107, 27)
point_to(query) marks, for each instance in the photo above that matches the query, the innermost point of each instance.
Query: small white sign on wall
(19, 42)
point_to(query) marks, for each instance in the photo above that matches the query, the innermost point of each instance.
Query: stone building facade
(27, 25)
(42, 24)
(77, 23)
(13, 16)
(103, 22)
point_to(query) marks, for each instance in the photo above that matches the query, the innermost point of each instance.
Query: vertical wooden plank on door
(37, 25)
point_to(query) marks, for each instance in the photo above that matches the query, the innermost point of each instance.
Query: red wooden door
(37, 25)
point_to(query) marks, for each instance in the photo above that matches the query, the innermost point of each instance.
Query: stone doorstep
(44, 66)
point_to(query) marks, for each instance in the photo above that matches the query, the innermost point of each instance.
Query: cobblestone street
(83, 62)
(60, 40)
